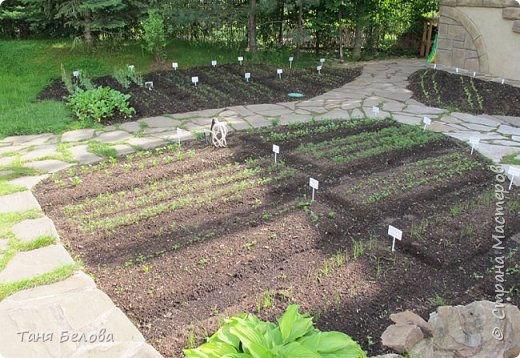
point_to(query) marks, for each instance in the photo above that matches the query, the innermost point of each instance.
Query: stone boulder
(408, 317)
(401, 337)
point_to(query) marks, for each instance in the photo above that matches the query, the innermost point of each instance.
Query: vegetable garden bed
(182, 237)
(223, 86)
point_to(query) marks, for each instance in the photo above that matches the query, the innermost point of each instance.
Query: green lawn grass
(28, 66)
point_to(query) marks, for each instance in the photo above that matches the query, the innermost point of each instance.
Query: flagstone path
(72, 317)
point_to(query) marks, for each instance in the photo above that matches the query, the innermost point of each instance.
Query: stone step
(511, 13)
(511, 3)
(20, 201)
(29, 264)
(32, 229)
(516, 26)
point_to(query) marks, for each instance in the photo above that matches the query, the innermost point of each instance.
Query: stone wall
(479, 35)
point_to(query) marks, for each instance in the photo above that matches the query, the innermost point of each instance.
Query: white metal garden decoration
(218, 133)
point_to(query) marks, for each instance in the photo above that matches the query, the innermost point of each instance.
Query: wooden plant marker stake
(375, 111)
(427, 122)
(149, 85)
(240, 60)
(175, 65)
(195, 80)
(474, 141)
(247, 76)
(214, 63)
(291, 59)
(314, 184)
(514, 172)
(318, 69)
(179, 135)
(276, 151)
(279, 72)
(396, 235)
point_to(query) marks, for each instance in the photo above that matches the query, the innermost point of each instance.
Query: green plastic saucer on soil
(295, 95)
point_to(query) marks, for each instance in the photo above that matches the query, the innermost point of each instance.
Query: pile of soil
(223, 86)
(464, 94)
(177, 273)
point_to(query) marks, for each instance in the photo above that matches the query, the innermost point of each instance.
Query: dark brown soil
(223, 86)
(464, 94)
(261, 248)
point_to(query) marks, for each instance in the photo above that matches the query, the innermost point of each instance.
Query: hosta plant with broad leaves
(246, 336)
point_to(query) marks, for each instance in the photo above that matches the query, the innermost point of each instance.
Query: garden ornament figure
(218, 133)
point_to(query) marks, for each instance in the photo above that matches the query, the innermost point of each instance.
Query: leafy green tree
(154, 34)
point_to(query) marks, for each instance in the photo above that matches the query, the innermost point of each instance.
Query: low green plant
(99, 103)
(275, 122)
(357, 248)
(101, 149)
(246, 336)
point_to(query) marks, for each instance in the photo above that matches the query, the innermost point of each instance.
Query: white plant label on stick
(131, 67)
(474, 74)
(427, 121)
(279, 72)
(457, 70)
(375, 111)
(240, 59)
(396, 235)
(322, 61)
(247, 76)
(149, 85)
(318, 69)
(276, 151)
(75, 74)
(515, 173)
(179, 135)
(314, 184)
(474, 141)
(291, 59)
(503, 81)
(175, 65)
(434, 66)
(195, 80)
(214, 63)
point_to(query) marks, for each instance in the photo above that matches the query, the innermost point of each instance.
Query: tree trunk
(87, 31)
(300, 29)
(280, 28)
(358, 41)
(252, 27)
(340, 33)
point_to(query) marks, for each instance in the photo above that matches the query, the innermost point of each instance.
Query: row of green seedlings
(470, 92)
(369, 144)
(435, 85)
(341, 258)
(213, 196)
(422, 172)
(141, 160)
(158, 190)
(314, 127)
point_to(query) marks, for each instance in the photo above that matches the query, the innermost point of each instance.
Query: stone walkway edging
(75, 304)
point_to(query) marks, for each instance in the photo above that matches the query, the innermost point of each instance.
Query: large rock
(408, 317)
(401, 337)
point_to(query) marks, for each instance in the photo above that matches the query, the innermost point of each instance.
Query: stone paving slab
(131, 127)
(483, 120)
(83, 156)
(147, 142)
(160, 122)
(29, 181)
(70, 306)
(21, 201)
(114, 136)
(29, 230)
(11, 149)
(77, 135)
(123, 149)
(40, 152)
(509, 130)
(29, 264)
(7, 160)
(49, 165)
(28, 140)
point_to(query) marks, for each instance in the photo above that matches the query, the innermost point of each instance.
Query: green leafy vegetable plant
(99, 103)
(246, 336)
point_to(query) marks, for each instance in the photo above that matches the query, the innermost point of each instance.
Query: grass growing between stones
(511, 159)
(58, 274)
(8, 188)
(101, 149)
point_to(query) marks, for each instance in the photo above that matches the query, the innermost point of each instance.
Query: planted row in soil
(182, 237)
(223, 86)
(464, 94)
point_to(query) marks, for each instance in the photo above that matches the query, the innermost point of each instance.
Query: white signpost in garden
(291, 59)
(314, 184)
(474, 141)
(322, 61)
(240, 60)
(474, 74)
(434, 66)
(457, 70)
(503, 81)
(195, 80)
(427, 122)
(396, 235)
(279, 72)
(175, 65)
(375, 111)
(276, 151)
(515, 173)
(149, 85)
(247, 76)
(318, 69)
(179, 135)
(75, 74)
(214, 63)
